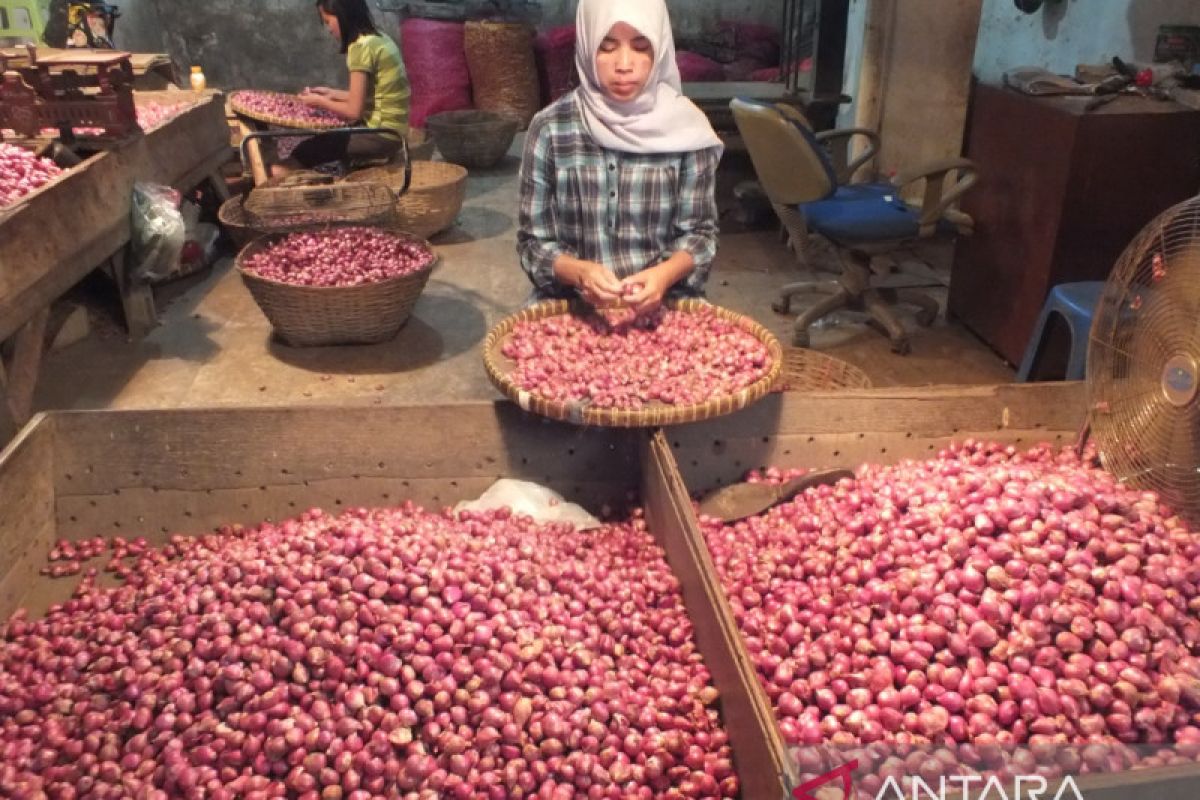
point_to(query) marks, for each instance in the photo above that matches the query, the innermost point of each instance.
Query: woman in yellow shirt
(378, 96)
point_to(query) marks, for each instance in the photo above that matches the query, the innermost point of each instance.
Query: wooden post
(137, 299)
(868, 98)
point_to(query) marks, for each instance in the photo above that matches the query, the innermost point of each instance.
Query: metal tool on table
(741, 500)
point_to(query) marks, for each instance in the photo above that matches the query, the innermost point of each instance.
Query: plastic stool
(21, 20)
(1075, 303)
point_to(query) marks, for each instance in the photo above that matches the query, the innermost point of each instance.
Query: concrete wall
(1069, 32)
(280, 44)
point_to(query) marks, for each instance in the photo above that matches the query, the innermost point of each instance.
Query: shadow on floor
(475, 223)
(418, 344)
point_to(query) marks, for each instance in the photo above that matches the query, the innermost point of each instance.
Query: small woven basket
(236, 103)
(499, 367)
(472, 138)
(314, 316)
(503, 68)
(435, 194)
(807, 370)
(313, 205)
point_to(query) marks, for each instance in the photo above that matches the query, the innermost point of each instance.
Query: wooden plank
(258, 167)
(879, 425)
(20, 377)
(760, 755)
(231, 448)
(26, 510)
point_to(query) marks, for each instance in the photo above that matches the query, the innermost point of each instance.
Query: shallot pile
(21, 172)
(379, 653)
(987, 596)
(285, 107)
(151, 115)
(345, 256)
(610, 359)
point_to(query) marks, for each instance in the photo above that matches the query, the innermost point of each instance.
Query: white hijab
(660, 119)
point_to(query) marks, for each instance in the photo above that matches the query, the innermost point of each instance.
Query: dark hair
(353, 16)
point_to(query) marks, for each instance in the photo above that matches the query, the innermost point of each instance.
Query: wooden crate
(153, 473)
(58, 233)
(883, 426)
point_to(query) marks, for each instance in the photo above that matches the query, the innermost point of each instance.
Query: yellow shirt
(388, 92)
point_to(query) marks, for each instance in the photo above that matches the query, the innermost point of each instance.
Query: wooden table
(151, 71)
(59, 233)
(1062, 191)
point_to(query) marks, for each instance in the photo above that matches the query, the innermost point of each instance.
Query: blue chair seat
(863, 214)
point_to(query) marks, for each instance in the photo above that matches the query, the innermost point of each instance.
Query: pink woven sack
(436, 63)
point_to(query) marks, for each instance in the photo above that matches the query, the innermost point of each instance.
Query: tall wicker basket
(435, 194)
(472, 138)
(503, 68)
(312, 316)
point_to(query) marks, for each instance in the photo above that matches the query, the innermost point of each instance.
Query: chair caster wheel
(901, 346)
(926, 318)
(782, 306)
(800, 339)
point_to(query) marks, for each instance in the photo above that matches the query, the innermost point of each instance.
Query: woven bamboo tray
(807, 370)
(314, 316)
(652, 415)
(282, 122)
(472, 138)
(435, 194)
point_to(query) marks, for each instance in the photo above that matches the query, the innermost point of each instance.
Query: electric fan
(1143, 362)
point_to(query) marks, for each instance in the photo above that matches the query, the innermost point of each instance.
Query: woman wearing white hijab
(618, 177)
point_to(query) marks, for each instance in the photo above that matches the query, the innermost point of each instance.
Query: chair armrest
(938, 198)
(837, 142)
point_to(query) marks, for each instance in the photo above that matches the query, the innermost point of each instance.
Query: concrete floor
(214, 347)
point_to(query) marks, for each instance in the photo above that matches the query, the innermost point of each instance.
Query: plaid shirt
(628, 211)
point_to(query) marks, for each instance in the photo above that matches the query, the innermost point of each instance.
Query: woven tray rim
(280, 122)
(649, 416)
(266, 239)
(829, 364)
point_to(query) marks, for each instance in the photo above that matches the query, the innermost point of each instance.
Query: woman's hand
(597, 284)
(320, 91)
(314, 99)
(644, 291)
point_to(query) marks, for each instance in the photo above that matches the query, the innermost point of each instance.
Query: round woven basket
(472, 138)
(312, 316)
(503, 68)
(499, 367)
(282, 122)
(244, 225)
(807, 370)
(435, 194)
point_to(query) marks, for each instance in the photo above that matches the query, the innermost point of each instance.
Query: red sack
(773, 73)
(695, 67)
(555, 52)
(751, 40)
(436, 63)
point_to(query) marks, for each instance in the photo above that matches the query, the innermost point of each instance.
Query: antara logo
(961, 787)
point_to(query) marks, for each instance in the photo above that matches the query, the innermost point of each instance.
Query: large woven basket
(313, 316)
(499, 367)
(472, 138)
(807, 370)
(503, 68)
(236, 103)
(435, 194)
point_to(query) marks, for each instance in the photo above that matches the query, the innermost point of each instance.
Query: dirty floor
(214, 347)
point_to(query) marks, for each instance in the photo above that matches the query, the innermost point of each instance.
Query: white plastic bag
(533, 500)
(158, 231)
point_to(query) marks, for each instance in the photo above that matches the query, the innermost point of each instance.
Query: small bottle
(198, 81)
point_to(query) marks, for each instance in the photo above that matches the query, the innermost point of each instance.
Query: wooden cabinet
(1062, 191)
